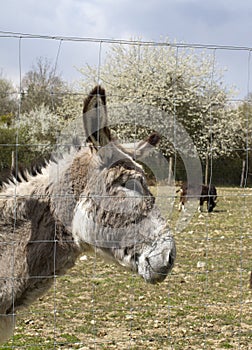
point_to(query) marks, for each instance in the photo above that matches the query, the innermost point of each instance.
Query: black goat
(208, 194)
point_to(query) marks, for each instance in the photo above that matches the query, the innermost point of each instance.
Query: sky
(219, 23)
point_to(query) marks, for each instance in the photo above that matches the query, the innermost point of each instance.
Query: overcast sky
(215, 22)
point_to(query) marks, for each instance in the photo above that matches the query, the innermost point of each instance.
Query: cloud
(189, 21)
(206, 13)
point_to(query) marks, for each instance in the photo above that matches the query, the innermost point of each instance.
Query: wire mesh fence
(205, 302)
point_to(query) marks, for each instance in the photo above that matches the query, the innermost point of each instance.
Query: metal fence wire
(205, 302)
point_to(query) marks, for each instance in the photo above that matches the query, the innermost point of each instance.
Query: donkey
(95, 200)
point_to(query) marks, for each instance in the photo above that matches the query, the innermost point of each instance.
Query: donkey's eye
(133, 185)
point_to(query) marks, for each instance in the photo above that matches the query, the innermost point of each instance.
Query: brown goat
(208, 194)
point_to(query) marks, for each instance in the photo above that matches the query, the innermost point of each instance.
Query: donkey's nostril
(170, 260)
(126, 251)
(135, 257)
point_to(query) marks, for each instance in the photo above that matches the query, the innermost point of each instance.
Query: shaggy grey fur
(93, 199)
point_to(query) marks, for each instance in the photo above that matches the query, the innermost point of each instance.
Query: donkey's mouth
(156, 276)
(155, 263)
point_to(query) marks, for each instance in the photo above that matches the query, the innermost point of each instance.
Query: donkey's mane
(21, 174)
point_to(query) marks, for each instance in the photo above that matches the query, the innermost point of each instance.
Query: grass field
(206, 302)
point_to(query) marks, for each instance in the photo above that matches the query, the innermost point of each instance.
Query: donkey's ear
(95, 118)
(152, 140)
(142, 148)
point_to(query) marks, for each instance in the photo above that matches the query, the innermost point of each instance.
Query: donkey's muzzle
(158, 260)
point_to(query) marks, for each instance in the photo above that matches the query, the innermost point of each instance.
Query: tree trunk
(13, 160)
(243, 172)
(206, 170)
(170, 171)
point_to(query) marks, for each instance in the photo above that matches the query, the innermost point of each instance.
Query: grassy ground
(206, 302)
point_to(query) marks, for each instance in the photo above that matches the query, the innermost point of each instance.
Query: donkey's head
(116, 213)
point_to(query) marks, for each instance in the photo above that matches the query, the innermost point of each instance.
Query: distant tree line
(184, 86)
(190, 88)
(31, 119)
